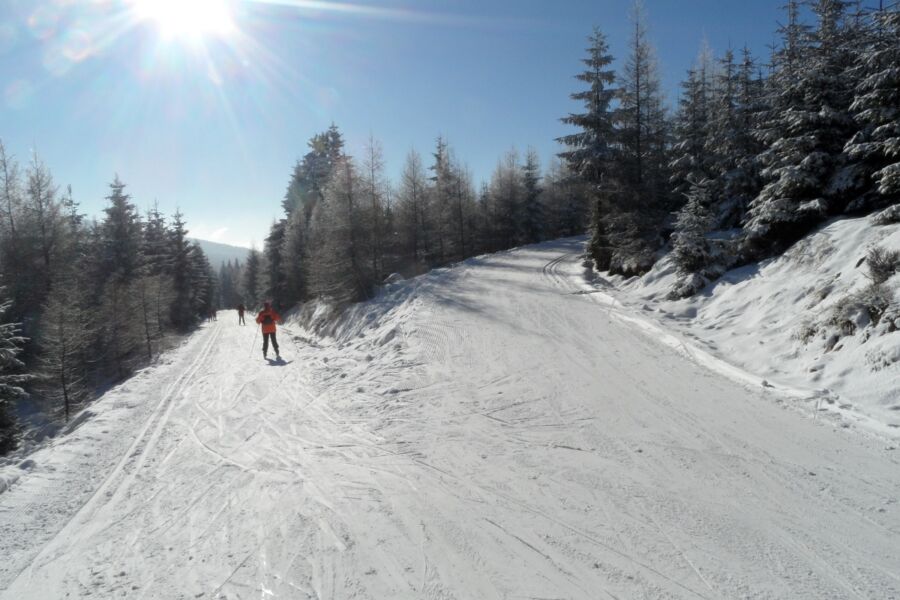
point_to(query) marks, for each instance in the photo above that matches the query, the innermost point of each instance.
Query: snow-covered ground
(753, 318)
(494, 430)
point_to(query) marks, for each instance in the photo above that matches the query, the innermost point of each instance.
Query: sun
(187, 18)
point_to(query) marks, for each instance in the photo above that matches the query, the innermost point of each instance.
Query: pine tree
(875, 147)
(64, 342)
(339, 269)
(507, 191)
(802, 166)
(591, 151)
(639, 200)
(312, 173)
(411, 214)
(11, 266)
(375, 190)
(11, 379)
(532, 225)
(43, 219)
(179, 250)
(252, 287)
(692, 158)
(122, 234)
(274, 279)
(439, 200)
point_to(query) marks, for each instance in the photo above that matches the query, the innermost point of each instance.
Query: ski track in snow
(485, 431)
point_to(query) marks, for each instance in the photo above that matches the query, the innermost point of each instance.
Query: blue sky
(214, 123)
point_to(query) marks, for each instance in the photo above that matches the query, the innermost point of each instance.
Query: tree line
(756, 155)
(85, 301)
(345, 227)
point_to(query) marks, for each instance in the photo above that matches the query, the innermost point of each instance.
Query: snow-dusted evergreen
(875, 148)
(803, 162)
(95, 298)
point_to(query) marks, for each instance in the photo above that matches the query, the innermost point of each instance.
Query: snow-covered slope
(219, 253)
(487, 431)
(772, 320)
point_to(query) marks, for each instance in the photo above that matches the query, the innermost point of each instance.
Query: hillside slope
(484, 431)
(778, 320)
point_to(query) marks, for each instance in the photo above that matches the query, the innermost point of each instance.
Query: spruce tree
(11, 379)
(532, 224)
(811, 123)
(875, 147)
(252, 276)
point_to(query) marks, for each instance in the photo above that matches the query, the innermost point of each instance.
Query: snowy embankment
(776, 324)
(484, 431)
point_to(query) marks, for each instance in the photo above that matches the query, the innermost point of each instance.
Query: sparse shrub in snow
(806, 332)
(882, 263)
(859, 310)
(888, 216)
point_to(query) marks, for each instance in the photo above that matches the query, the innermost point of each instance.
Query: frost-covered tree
(875, 148)
(532, 220)
(439, 204)
(312, 173)
(375, 190)
(179, 249)
(507, 192)
(295, 258)
(692, 157)
(12, 269)
(11, 379)
(690, 248)
(810, 123)
(565, 200)
(340, 270)
(411, 213)
(275, 285)
(640, 200)
(122, 235)
(591, 151)
(64, 341)
(251, 284)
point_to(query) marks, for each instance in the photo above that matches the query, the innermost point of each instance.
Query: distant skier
(267, 318)
(241, 309)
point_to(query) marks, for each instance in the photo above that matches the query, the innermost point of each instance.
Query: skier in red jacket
(267, 319)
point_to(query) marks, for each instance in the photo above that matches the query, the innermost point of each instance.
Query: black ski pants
(266, 337)
(241, 319)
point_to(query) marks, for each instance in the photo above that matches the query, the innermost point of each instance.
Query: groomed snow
(485, 431)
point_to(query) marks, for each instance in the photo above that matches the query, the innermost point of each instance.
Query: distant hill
(221, 253)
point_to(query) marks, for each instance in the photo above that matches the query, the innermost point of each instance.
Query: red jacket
(267, 318)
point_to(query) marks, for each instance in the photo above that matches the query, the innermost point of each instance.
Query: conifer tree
(251, 278)
(274, 278)
(64, 343)
(532, 225)
(179, 250)
(692, 158)
(875, 147)
(375, 189)
(803, 161)
(340, 271)
(411, 214)
(11, 379)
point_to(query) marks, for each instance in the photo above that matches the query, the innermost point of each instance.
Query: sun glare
(187, 18)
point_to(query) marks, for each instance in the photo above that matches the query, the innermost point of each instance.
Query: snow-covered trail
(491, 432)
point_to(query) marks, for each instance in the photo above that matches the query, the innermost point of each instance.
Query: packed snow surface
(486, 431)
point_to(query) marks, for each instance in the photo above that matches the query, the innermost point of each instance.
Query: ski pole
(254, 343)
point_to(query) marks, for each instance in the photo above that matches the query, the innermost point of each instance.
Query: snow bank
(782, 320)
